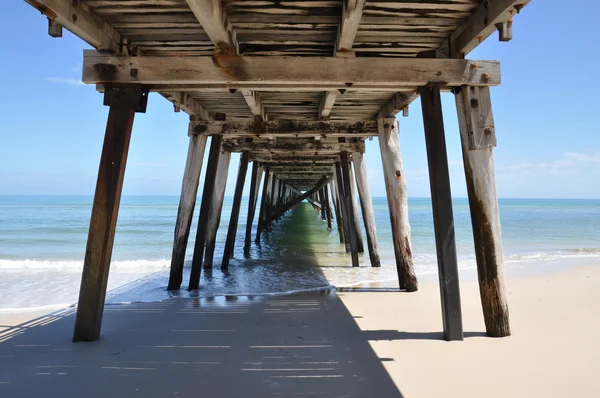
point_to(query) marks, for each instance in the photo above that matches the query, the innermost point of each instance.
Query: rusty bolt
(485, 76)
(398, 173)
(474, 66)
(487, 130)
(133, 72)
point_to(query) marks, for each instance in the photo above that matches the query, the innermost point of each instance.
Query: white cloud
(64, 80)
(570, 163)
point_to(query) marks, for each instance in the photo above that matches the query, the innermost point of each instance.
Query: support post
(254, 186)
(216, 206)
(264, 205)
(352, 233)
(322, 201)
(327, 206)
(209, 186)
(366, 205)
(443, 218)
(397, 197)
(477, 133)
(187, 202)
(338, 211)
(343, 206)
(123, 102)
(357, 228)
(235, 210)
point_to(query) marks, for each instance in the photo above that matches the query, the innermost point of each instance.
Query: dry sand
(358, 344)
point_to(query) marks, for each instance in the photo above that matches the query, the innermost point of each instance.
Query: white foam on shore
(78, 265)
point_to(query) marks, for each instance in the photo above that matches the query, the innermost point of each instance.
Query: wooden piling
(352, 233)
(366, 204)
(263, 206)
(338, 210)
(322, 201)
(443, 218)
(187, 202)
(216, 206)
(397, 196)
(328, 214)
(342, 202)
(356, 215)
(477, 133)
(256, 176)
(123, 103)
(209, 186)
(235, 210)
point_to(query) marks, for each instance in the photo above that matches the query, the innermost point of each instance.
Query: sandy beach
(349, 344)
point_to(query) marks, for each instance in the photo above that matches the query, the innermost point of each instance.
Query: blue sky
(52, 126)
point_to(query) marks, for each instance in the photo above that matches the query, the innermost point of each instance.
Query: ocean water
(43, 239)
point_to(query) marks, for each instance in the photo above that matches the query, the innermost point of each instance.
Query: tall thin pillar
(357, 227)
(478, 136)
(397, 197)
(366, 205)
(328, 214)
(209, 186)
(338, 210)
(123, 102)
(443, 218)
(256, 176)
(216, 206)
(187, 202)
(349, 211)
(235, 210)
(343, 207)
(264, 205)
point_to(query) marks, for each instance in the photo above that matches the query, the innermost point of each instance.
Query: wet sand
(353, 344)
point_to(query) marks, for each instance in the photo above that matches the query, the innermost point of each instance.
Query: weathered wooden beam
(356, 216)
(397, 195)
(327, 104)
(475, 119)
(342, 204)
(294, 147)
(337, 209)
(398, 103)
(279, 159)
(366, 204)
(256, 176)
(123, 103)
(189, 105)
(235, 210)
(310, 200)
(326, 204)
(443, 218)
(278, 87)
(187, 202)
(352, 234)
(288, 128)
(82, 21)
(480, 24)
(209, 186)
(216, 207)
(106, 68)
(214, 21)
(352, 11)
(263, 205)
(254, 103)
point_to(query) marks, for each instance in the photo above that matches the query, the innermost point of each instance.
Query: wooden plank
(256, 176)
(235, 210)
(397, 195)
(254, 103)
(103, 222)
(232, 70)
(289, 128)
(188, 104)
(443, 218)
(209, 186)
(187, 202)
(347, 198)
(212, 17)
(366, 204)
(356, 216)
(485, 218)
(327, 103)
(480, 24)
(216, 207)
(399, 102)
(351, 15)
(294, 147)
(81, 21)
(479, 119)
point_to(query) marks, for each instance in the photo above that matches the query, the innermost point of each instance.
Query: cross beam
(287, 128)
(311, 148)
(237, 71)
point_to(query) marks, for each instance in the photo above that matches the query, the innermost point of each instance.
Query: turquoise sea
(43, 239)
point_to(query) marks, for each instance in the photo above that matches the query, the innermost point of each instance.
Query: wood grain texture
(351, 232)
(256, 177)
(397, 195)
(185, 212)
(235, 210)
(485, 219)
(366, 205)
(356, 216)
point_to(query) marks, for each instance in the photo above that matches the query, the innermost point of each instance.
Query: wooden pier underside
(297, 87)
